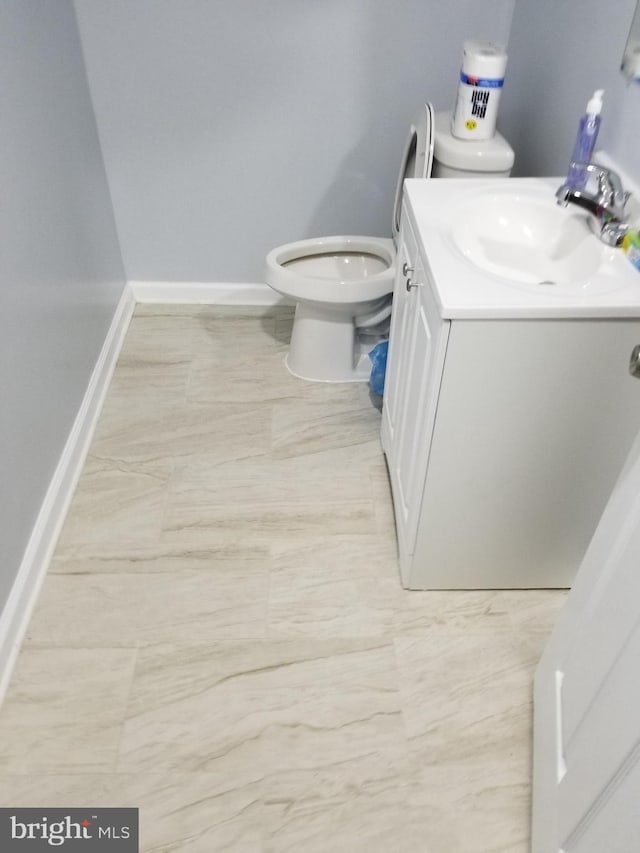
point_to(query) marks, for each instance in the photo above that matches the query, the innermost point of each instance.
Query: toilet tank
(441, 170)
(465, 158)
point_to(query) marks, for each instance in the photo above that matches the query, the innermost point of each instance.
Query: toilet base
(325, 347)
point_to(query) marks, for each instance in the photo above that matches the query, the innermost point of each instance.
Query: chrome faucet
(606, 205)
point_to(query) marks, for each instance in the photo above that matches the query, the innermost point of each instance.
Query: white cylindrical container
(481, 81)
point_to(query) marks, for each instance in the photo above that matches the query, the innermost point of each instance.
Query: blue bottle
(585, 140)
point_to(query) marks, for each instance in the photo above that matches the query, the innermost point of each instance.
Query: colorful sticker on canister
(470, 124)
(482, 82)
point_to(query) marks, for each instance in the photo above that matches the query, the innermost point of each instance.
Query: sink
(523, 237)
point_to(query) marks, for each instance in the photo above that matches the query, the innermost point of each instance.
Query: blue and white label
(481, 82)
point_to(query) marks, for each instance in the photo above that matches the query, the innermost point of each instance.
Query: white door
(586, 792)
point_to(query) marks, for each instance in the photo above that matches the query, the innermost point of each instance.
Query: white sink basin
(522, 236)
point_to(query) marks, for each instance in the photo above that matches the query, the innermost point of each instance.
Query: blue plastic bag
(378, 356)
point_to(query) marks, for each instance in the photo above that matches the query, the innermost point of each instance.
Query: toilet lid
(417, 159)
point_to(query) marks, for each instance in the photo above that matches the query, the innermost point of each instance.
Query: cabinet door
(399, 343)
(427, 334)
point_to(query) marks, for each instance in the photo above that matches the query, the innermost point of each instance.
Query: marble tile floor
(222, 639)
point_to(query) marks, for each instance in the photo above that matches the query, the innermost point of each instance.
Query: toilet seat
(304, 281)
(417, 160)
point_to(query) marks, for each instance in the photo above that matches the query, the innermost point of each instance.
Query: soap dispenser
(585, 140)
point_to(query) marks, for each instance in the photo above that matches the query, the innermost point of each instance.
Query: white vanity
(509, 405)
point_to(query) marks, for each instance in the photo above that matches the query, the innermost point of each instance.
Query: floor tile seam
(189, 381)
(282, 506)
(339, 407)
(218, 338)
(121, 413)
(171, 551)
(239, 338)
(449, 732)
(269, 603)
(216, 621)
(276, 633)
(219, 637)
(126, 714)
(46, 774)
(484, 683)
(158, 470)
(434, 757)
(256, 467)
(103, 647)
(121, 460)
(117, 750)
(270, 460)
(318, 651)
(431, 627)
(167, 496)
(183, 457)
(259, 569)
(319, 451)
(69, 772)
(530, 626)
(151, 354)
(149, 362)
(238, 399)
(440, 721)
(261, 523)
(117, 580)
(31, 645)
(463, 631)
(402, 693)
(185, 465)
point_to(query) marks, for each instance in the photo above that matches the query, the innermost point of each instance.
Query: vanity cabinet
(503, 436)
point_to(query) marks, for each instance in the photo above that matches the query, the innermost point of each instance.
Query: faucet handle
(609, 184)
(610, 187)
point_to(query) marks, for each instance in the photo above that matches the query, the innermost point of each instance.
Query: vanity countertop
(463, 290)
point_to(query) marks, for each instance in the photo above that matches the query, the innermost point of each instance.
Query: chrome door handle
(411, 284)
(406, 268)
(634, 362)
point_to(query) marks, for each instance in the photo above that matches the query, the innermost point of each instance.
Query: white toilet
(343, 285)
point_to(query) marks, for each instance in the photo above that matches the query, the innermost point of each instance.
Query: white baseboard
(15, 616)
(205, 293)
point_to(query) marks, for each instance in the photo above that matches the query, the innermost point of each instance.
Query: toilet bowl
(343, 285)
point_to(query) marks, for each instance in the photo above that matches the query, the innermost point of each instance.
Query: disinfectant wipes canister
(481, 81)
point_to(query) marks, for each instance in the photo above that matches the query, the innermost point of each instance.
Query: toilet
(343, 285)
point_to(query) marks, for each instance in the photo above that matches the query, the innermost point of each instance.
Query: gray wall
(560, 51)
(60, 270)
(231, 127)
